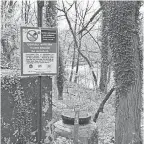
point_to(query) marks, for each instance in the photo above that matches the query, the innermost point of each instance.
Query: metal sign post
(39, 112)
(76, 124)
(40, 5)
(39, 57)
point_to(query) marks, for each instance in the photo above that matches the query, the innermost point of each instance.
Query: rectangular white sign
(39, 51)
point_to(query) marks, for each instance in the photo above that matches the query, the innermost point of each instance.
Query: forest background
(82, 72)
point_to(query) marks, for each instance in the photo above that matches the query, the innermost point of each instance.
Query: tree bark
(73, 62)
(127, 57)
(51, 20)
(74, 55)
(51, 13)
(78, 59)
(104, 51)
(60, 76)
(26, 12)
(7, 50)
(77, 68)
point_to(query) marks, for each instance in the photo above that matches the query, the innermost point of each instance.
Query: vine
(21, 117)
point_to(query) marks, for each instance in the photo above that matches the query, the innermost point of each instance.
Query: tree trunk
(51, 13)
(60, 76)
(2, 16)
(22, 10)
(104, 51)
(26, 12)
(50, 22)
(127, 57)
(7, 50)
(73, 62)
(77, 68)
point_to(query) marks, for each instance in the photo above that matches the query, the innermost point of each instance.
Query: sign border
(57, 50)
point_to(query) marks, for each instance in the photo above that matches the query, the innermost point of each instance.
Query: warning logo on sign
(31, 35)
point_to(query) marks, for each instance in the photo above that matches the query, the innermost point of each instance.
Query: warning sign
(32, 35)
(38, 51)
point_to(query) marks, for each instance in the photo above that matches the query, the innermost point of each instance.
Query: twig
(91, 19)
(94, 40)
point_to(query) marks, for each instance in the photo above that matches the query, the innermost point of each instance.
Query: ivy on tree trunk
(60, 76)
(127, 57)
(104, 50)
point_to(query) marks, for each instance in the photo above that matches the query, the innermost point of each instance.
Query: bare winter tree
(79, 23)
(7, 9)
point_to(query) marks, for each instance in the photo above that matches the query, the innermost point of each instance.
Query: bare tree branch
(60, 9)
(86, 11)
(101, 107)
(76, 43)
(94, 40)
(91, 19)
(91, 26)
(71, 6)
(60, 16)
(74, 37)
(75, 28)
(91, 6)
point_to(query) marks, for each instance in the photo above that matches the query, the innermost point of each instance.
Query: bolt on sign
(39, 51)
